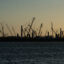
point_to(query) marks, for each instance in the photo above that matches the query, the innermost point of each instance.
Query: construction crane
(25, 31)
(61, 33)
(32, 23)
(9, 30)
(56, 35)
(34, 33)
(2, 31)
(39, 34)
(30, 26)
(14, 30)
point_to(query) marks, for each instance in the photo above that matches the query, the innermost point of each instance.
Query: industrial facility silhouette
(30, 34)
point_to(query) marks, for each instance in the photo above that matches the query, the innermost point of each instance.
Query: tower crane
(56, 35)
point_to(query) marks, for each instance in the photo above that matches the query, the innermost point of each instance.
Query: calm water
(31, 54)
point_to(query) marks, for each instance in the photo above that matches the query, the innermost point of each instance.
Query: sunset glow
(21, 12)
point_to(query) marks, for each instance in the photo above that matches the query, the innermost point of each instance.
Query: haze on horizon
(20, 12)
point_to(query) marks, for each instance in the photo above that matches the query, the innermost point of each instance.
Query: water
(31, 54)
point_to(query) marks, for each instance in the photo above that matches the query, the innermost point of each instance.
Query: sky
(21, 12)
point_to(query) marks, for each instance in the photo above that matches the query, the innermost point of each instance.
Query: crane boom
(14, 30)
(9, 29)
(31, 23)
(2, 30)
(40, 30)
(56, 35)
(52, 28)
(30, 26)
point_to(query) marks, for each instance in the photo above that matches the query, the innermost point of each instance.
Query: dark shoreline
(25, 39)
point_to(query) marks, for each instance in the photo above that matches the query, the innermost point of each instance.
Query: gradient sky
(20, 12)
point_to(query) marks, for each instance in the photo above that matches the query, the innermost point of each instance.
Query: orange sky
(20, 12)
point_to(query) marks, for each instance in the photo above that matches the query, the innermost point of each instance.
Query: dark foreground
(11, 53)
(36, 39)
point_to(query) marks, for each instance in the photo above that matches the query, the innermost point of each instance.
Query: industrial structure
(30, 32)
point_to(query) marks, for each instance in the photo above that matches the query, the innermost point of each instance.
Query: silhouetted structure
(9, 30)
(39, 34)
(21, 31)
(30, 34)
(14, 31)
